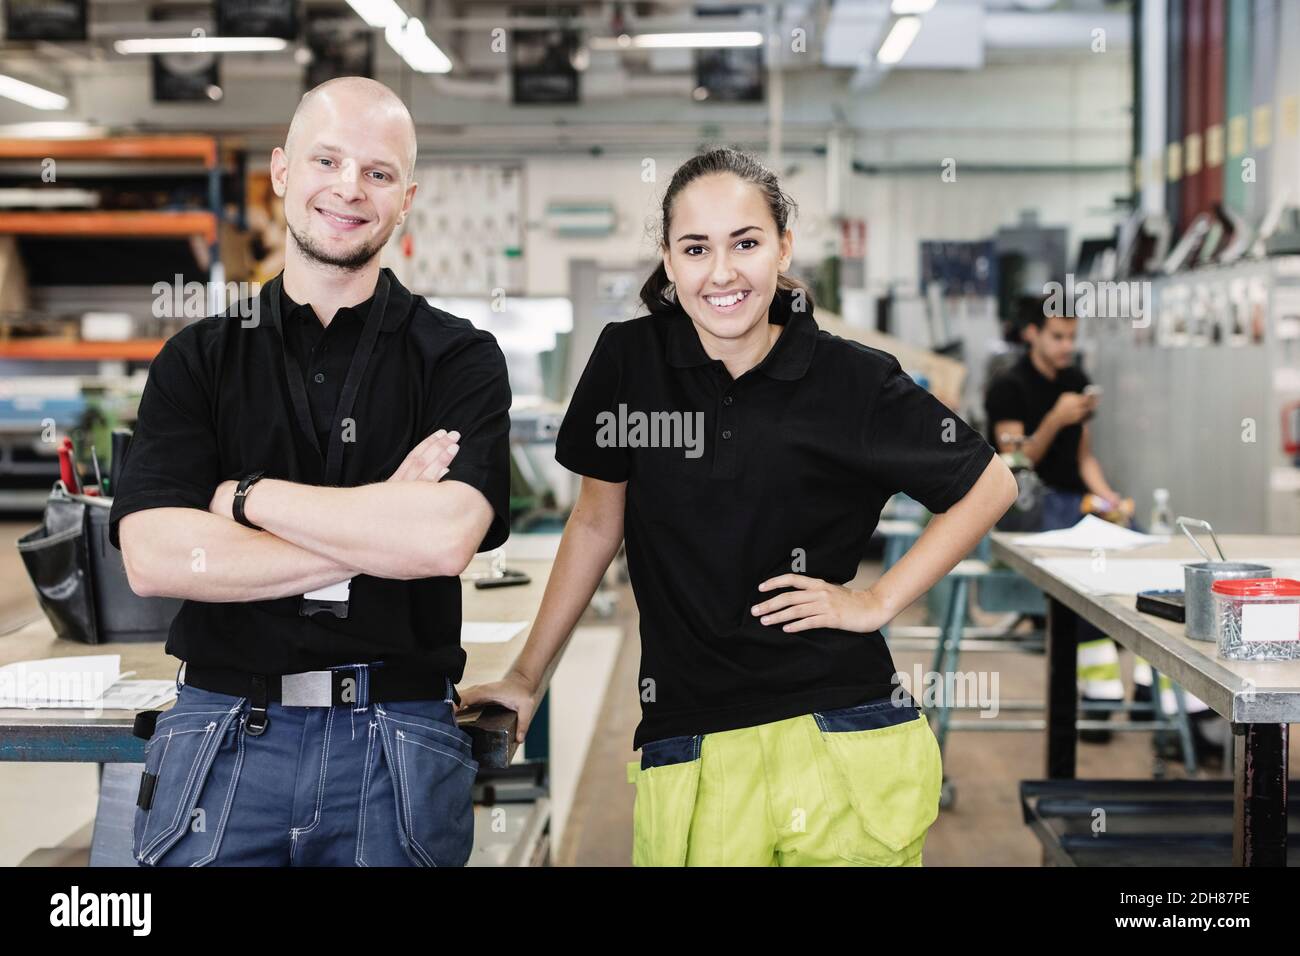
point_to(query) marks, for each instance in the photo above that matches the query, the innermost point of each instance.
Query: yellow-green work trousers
(858, 786)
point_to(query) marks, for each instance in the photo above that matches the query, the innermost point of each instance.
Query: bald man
(311, 484)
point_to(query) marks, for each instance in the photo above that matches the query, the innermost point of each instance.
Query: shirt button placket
(724, 457)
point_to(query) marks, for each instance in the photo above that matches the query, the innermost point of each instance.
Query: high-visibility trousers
(854, 786)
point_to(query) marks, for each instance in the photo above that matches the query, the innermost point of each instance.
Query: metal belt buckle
(308, 689)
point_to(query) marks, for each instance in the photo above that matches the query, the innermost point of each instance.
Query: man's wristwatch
(237, 507)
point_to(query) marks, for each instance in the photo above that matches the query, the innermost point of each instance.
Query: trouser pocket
(191, 768)
(882, 759)
(666, 779)
(420, 767)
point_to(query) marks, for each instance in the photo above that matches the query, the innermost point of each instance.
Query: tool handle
(67, 469)
(121, 444)
(1185, 523)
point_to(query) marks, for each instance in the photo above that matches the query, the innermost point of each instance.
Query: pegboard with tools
(464, 234)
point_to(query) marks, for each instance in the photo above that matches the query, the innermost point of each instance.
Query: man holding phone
(1047, 400)
(1042, 405)
(313, 483)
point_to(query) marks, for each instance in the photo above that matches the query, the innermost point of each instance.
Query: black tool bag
(80, 578)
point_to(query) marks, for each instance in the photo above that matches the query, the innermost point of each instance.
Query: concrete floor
(42, 804)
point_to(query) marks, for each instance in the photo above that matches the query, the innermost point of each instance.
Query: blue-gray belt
(353, 685)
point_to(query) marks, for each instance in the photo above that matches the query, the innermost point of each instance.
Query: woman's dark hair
(658, 294)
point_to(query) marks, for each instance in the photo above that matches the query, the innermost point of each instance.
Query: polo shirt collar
(303, 312)
(788, 359)
(399, 302)
(1031, 370)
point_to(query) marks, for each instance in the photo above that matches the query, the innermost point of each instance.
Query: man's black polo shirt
(216, 406)
(1024, 394)
(798, 457)
(324, 354)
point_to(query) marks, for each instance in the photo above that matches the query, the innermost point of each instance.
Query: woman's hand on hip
(818, 603)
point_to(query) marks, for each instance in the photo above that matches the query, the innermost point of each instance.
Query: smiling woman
(772, 730)
(726, 244)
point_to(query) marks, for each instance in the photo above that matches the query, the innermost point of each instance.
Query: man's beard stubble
(350, 261)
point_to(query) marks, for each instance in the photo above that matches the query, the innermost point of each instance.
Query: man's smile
(341, 220)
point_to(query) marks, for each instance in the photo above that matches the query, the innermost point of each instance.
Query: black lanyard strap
(351, 384)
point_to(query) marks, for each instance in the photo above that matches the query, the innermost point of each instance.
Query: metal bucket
(1198, 598)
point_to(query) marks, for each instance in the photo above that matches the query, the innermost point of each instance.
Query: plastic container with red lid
(1257, 619)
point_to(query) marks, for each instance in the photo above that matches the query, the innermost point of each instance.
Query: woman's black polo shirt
(798, 457)
(216, 406)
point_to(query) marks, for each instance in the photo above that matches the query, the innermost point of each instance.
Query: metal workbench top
(1260, 698)
(1242, 691)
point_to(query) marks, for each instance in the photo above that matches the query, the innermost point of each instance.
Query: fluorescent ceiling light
(201, 45)
(904, 7)
(29, 95)
(899, 40)
(378, 13)
(52, 129)
(711, 40)
(404, 34)
(414, 46)
(660, 41)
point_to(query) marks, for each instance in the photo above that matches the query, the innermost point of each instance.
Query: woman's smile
(727, 302)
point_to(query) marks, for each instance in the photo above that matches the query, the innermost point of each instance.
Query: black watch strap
(237, 508)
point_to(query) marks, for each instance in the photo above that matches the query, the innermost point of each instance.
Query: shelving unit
(111, 224)
(64, 350)
(203, 150)
(128, 157)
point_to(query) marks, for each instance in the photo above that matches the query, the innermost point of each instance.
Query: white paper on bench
(1131, 575)
(1091, 532)
(1117, 575)
(59, 681)
(489, 632)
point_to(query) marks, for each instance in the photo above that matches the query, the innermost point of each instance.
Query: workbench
(1259, 698)
(71, 735)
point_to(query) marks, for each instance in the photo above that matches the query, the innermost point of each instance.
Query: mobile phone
(1093, 390)
(507, 579)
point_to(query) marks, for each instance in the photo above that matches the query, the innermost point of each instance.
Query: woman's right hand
(514, 692)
